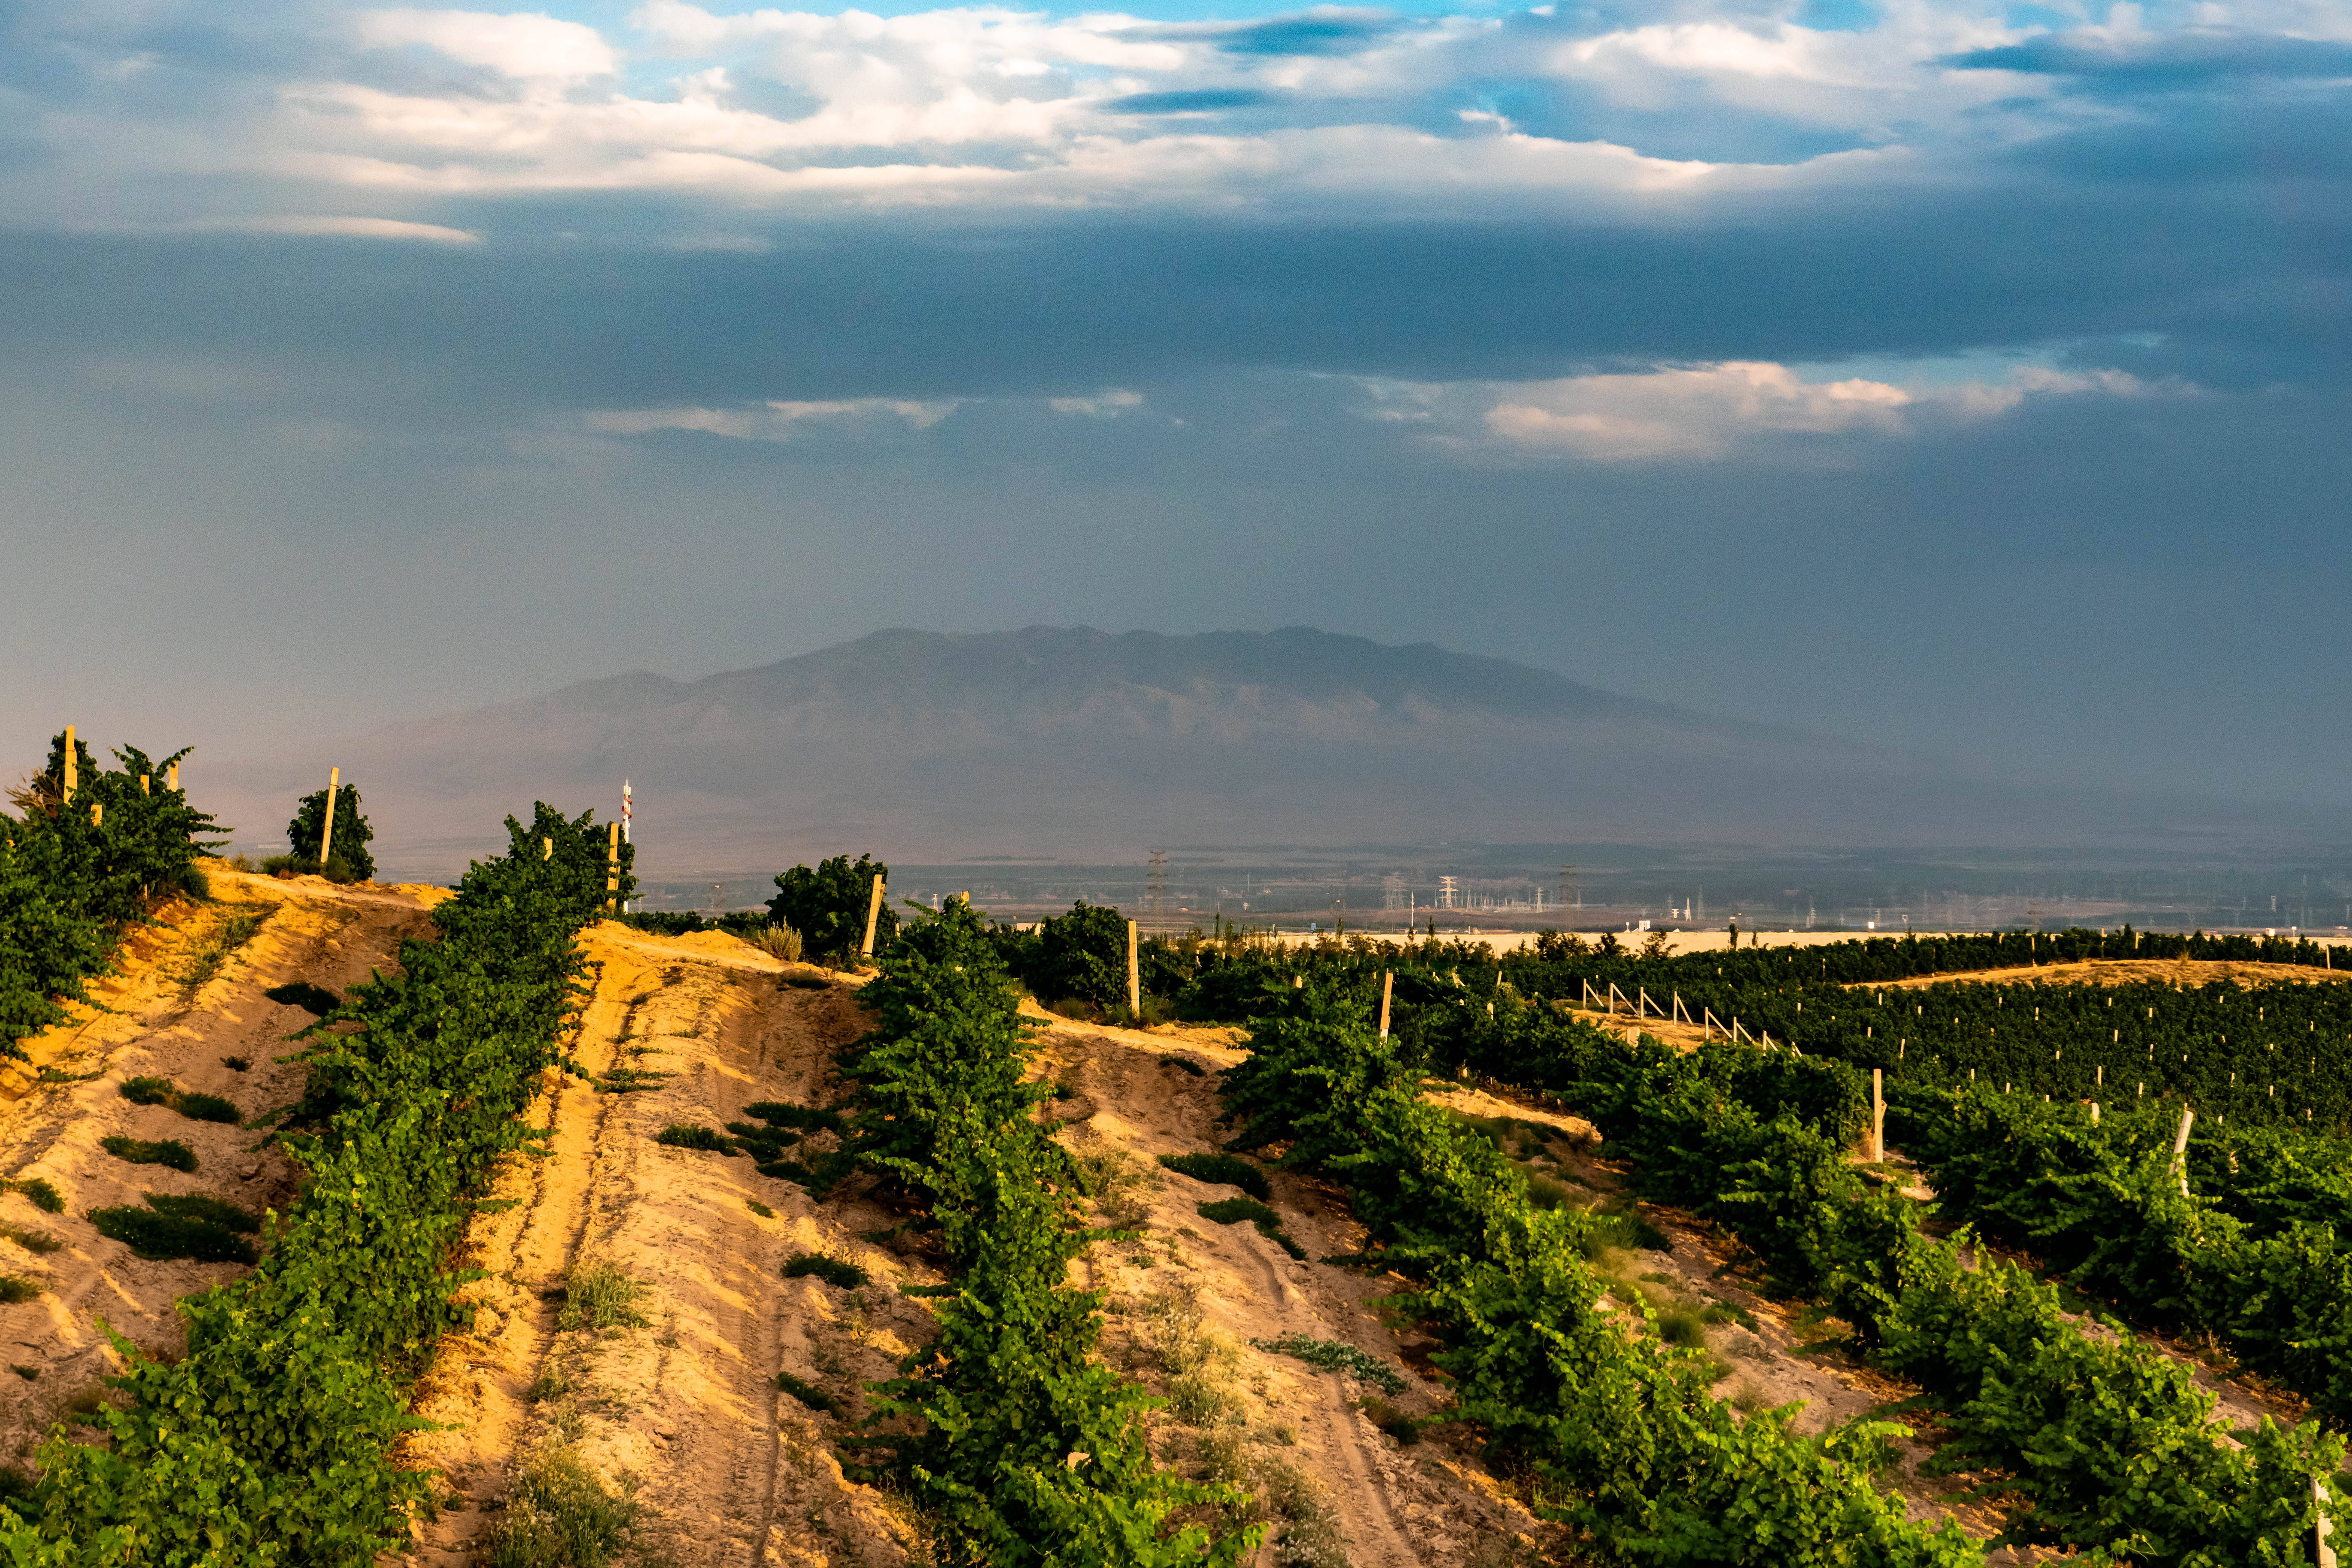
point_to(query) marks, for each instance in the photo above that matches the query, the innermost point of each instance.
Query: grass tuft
(16, 1288)
(149, 1090)
(757, 1207)
(206, 1108)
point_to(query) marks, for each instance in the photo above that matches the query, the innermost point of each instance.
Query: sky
(1951, 374)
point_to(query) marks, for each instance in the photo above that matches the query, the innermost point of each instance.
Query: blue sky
(1958, 375)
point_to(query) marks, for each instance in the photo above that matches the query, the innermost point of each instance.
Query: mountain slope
(1083, 744)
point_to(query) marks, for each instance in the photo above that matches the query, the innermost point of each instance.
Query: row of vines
(2103, 1446)
(78, 871)
(1020, 1446)
(269, 1441)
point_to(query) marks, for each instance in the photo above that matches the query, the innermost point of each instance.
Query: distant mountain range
(1084, 745)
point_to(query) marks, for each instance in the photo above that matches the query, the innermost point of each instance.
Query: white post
(873, 914)
(1134, 976)
(2180, 1149)
(2324, 1554)
(1877, 1116)
(327, 828)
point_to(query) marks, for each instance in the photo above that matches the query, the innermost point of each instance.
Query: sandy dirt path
(148, 1020)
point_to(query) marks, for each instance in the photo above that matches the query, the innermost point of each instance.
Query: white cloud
(1702, 412)
(357, 227)
(525, 47)
(767, 421)
(1102, 405)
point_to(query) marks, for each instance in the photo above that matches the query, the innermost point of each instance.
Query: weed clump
(757, 1207)
(16, 1288)
(195, 1106)
(1231, 1170)
(169, 1153)
(559, 1515)
(1332, 1355)
(598, 1295)
(832, 1270)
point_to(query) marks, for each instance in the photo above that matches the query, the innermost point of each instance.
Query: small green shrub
(237, 1064)
(316, 1000)
(206, 1108)
(779, 941)
(686, 1135)
(832, 1270)
(149, 1090)
(16, 1288)
(44, 1193)
(757, 1207)
(598, 1295)
(808, 1394)
(1232, 1211)
(1185, 1063)
(787, 1171)
(169, 1151)
(1229, 1169)
(156, 1235)
(549, 1384)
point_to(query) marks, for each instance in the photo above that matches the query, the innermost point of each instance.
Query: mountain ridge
(1078, 743)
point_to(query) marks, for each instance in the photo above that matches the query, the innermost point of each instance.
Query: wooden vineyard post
(327, 827)
(612, 868)
(873, 914)
(142, 784)
(171, 778)
(2323, 1553)
(1134, 978)
(2180, 1149)
(546, 848)
(1388, 985)
(97, 812)
(66, 782)
(2095, 1113)
(1877, 1116)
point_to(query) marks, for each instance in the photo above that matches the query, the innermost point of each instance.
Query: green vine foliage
(269, 1441)
(1023, 1448)
(346, 846)
(827, 906)
(70, 887)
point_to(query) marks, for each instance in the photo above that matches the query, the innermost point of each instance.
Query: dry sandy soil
(683, 1406)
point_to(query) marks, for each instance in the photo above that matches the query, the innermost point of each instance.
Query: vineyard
(485, 1226)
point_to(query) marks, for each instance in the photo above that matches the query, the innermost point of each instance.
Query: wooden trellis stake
(1877, 1116)
(1134, 977)
(327, 828)
(2180, 1149)
(873, 914)
(546, 848)
(66, 783)
(171, 777)
(612, 868)
(1388, 985)
(142, 784)
(2323, 1553)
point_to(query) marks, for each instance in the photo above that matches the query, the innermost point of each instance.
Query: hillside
(1078, 744)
